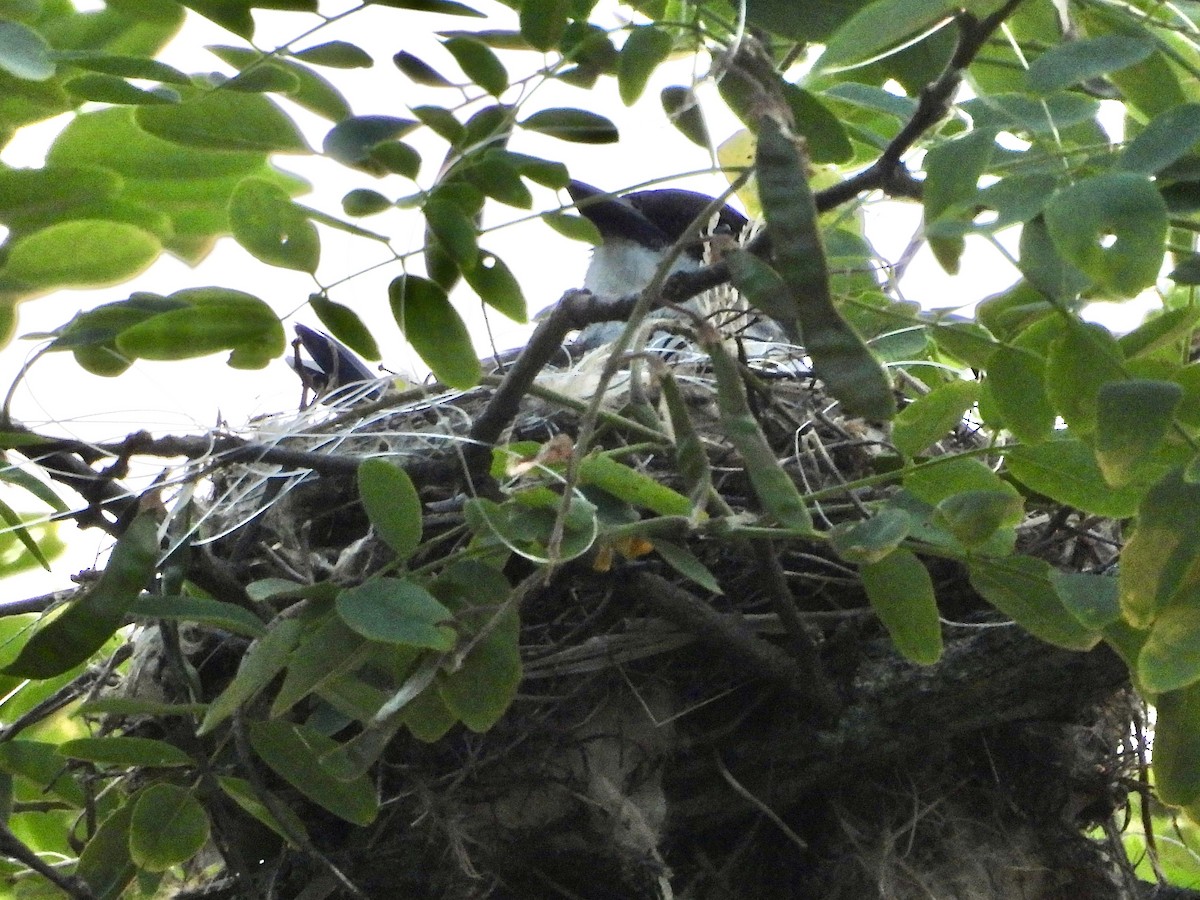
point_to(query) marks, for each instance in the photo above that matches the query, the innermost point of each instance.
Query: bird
(638, 229)
(332, 366)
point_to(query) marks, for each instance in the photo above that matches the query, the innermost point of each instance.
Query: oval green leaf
(224, 120)
(1170, 658)
(1074, 61)
(396, 611)
(168, 828)
(271, 227)
(901, 593)
(81, 253)
(1113, 227)
(392, 505)
(1132, 419)
(479, 64)
(1021, 588)
(646, 47)
(436, 331)
(294, 753)
(575, 125)
(126, 752)
(932, 417)
(336, 55)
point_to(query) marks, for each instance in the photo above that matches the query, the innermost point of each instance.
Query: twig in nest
(745, 794)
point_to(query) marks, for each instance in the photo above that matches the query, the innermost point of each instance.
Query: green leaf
(526, 524)
(931, 417)
(683, 561)
(974, 516)
(576, 125)
(443, 7)
(634, 487)
(345, 325)
(1091, 598)
(136, 706)
(436, 331)
(42, 195)
(368, 143)
(364, 202)
(953, 170)
(479, 64)
(543, 22)
(224, 120)
(643, 51)
(1112, 226)
(496, 286)
(882, 24)
(40, 763)
(125, 752)
(455, 231)
(485, 683)
(212, 319)
(824, 134)
(901, 593)
(1044, 268)
(764, 289)
(291, 829)
(1159, 561)
(1021, 587)
(1170, 658)
(168, 828)
(1167, 329)
(840, 358)
(1016, 383)
(303, 86)
(24, 53)
(81, 253)
(1176, 762)
(683, 111)
(870, 540)
(1075, 61)
(944, 477)
(576, 228)
(497, 177)
(93, 618)
(1065, 470)
(105, 864)
(428, 718)
(294, 753)
(419, 71)
(1165, 139)
(272, 228)
(1132, 419)
(396, 611)
(391, 504)
(265, 659)
(111, 89)
(336, 55)
(201, 610)
(327, 651)
(774, 488)
(441, 122)
(1078, 364)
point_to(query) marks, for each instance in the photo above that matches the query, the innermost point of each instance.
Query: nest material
(665, 742)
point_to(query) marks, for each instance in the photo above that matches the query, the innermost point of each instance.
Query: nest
(667, 741)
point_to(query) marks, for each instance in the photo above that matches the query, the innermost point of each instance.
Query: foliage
(155, 160)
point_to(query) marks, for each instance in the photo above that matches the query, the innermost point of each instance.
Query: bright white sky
(191, 397)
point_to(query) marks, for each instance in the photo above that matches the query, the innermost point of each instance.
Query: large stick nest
(765, 742)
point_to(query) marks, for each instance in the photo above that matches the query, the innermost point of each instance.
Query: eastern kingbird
(638, 229)
(332, 366)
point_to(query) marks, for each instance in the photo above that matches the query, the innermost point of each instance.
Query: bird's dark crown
(656, 219)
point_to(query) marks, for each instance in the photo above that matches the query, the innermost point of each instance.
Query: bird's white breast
(621, 267)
